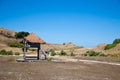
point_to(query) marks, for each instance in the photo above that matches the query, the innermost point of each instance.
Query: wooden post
(45, 57)
(24, 56)
(38, 54)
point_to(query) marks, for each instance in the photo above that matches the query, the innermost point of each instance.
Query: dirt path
(86, 61)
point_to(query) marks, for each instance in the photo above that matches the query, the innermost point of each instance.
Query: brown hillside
(7, 36)
(6, 40)
(7, 33)
(115, 50)
(64, 46)
(99, 48)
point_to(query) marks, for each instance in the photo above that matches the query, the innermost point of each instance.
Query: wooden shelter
(34, 41)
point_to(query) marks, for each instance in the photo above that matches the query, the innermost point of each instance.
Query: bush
(21, 34)
(116, 41)
(52, 51)
(115, 55)
(49, 59)
(32, 49)
(85, 54)
(62, 53)
(109, 46)
(93, 53)
(18, 45)
(17, 53)
(4, 52)
(9, 53)
(101, 54)
(72, 54)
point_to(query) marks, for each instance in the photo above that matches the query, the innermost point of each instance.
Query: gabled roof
(32, 38)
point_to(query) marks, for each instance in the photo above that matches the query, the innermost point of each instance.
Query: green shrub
(9, 53)
(21, 34)
(18, 45)
(4, 52)
(52, 51)
(85, 54)
(17, 53)
(63, 53)
(93, 53)
(116, 41)
(109, 46)
(72, 54)
(115, 55)
(101, 54)
(49, 59)
(31, 49)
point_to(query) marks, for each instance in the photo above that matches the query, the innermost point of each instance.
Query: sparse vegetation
(32, 49)
(4, 52)
(21, 34)
(49, 59)
(109, 46)
(52, 51)
(9, 53)
(102, 54)
(115, 55)
(15, 44)
(17, 53)
(10, 59)
(93, 53)
(72, 52)
(63, 53)
(116, 41)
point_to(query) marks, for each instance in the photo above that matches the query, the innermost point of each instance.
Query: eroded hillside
(8, 36)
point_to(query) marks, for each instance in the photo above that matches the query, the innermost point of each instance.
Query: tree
(21, 34)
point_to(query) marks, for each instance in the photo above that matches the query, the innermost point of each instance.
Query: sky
(84, 22)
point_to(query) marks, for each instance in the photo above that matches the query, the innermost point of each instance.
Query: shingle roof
(32, 38)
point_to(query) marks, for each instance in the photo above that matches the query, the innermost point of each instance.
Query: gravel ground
(44, 70)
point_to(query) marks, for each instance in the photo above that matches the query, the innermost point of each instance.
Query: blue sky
(83, 22)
